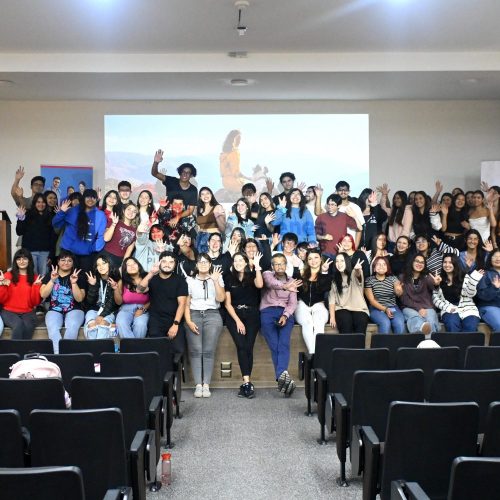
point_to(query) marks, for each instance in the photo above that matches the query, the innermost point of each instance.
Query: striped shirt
(383, 290)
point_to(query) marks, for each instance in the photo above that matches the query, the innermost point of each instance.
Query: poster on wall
(231, 150)
(490, 172)
(77, 177)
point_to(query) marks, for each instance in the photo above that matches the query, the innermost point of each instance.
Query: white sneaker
(206, 391)
(198, 392)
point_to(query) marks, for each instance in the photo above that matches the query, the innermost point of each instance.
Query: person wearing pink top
(132, 318)
(278, 303)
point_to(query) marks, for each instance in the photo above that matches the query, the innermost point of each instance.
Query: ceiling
(296, 49)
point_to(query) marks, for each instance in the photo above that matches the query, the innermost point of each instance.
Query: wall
(412, 143)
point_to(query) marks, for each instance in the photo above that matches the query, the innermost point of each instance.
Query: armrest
(321, 388)
(154, 424)
(342, 414)
(400, 490)
(307, 374)
(372, 463)
(178, 379)
(124, 493)
(137, 466)
(179, 365)
(302, 364)
(168, 393)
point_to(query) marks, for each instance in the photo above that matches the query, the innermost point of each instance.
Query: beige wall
(411, 143)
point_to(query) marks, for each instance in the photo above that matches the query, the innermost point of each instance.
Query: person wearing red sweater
(19, 295)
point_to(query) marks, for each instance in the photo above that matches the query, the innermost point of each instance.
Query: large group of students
(184, 267)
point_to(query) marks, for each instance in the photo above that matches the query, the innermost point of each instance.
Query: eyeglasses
(343, 190)
(279, 264)
(203, 262)
(65, 259)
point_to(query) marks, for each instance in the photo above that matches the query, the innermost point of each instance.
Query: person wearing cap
(84, 229)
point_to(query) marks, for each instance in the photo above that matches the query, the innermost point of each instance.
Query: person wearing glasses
(416, 300)
(203, 321)
(277, 306)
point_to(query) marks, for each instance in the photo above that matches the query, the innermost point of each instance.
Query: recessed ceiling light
(6, 83)
(239, 82)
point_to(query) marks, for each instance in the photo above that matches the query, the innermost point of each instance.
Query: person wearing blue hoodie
(488, 293)
(293, 217)
(84, 229)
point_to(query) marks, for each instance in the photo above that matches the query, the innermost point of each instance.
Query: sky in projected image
(316, 148)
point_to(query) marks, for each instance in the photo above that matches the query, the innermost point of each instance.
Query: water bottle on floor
(166, 469)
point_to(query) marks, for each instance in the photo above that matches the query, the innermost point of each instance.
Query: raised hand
(319, 190)
(292, 285)
(54, 274)
(74, 276)
(436, 240)
(112, 283)
(439, 186)
(301, 186)
(488, 246)
(436, 278)
(383, 189)
(358, 265)
(114, 218)
(256, 259)
(340, 248)
(38, 280)
(269, 185)
(484, 186)
(372, 198)
(269, 217)
(495, 281)
(21, 212)
(283, 201)
(216, 274)
(158, 156)
(65, 205)
(231, 248)
(435, 208)
(160, 246)
(325, 266)
(19, 173)
(92, 280)
(275, 240)
(443, 208)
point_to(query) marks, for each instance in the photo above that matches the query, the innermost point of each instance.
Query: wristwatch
(176, 322)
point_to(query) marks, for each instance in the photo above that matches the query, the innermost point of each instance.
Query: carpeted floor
(265, 448)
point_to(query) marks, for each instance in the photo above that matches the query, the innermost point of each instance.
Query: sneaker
(426, 328)
(198, 392)
(206, 391)
(283, 380)
(241, 392)
(249, 391)
(289, 389)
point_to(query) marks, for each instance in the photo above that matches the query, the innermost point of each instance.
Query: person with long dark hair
(236, 241)
(293, 217)
(425, 216)
(402, 252)
(149, 244)
(19, 295)
(210, 218)
(84, 229)
(488, 293)
(311, 313)
(381, 290)
(110, 203)
(454, 297)
(399, 216)
(476, 251)
(241, 217)
(373, 215)
(348, 310)
(455, 222)
(146, 207)
(65, 288)
(265, 217)
(100, 300)
(346, 244)
(132, 318)
(35, 226)
(243, 287)
(418, 285)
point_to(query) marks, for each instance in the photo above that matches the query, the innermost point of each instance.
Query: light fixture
(241, 5)
(238, 54)
(239, 82)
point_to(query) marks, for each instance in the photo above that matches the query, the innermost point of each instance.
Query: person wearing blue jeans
(65, 290)
(381, 290)
(278, 303)
(454, 297)
(488, 293)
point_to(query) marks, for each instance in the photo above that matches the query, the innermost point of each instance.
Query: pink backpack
(34, 366)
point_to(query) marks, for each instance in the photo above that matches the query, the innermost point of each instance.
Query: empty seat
(495, 339)
(95, 347)
(481, 386)
(428, 360)
(22, 347)
(27, 395)
(491, 439)
(6, 361)
(482, 358)
(461, 340)
(11, 439)
(394, 342)
(73, 365)
(92, 440)
(422, 439)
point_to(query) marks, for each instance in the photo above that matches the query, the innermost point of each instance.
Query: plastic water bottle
(166, 469)
(114, 335)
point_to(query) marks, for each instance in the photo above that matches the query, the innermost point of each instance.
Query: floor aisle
(265, 448)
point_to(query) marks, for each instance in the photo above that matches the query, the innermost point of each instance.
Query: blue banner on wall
(70, 176)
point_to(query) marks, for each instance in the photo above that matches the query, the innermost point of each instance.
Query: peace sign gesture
(325, 266)
(38, 280)
(358, 265)
(91, 278)
(436, 278)
(74, 276)
(54, 274)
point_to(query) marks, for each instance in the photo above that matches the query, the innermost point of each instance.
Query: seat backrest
(42, 483)
(6, 361)
(29, 394)
(95, 347)
(73, 365)
(474, 478)
(495, 339)
(461, 340)
(491, 440)
(126, 393)
(482, 358)
(145, 365)
(394, 342)
(428, 360)
(374, 391)
(22, 347)
(481, 386)
(347, 361)
(11, 439)
(163, 346)
(92, 440)
(422, 439)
